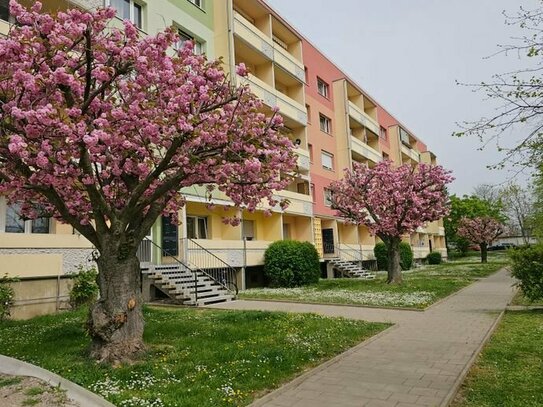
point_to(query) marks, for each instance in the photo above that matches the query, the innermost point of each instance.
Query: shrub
(527, 267)
(7, 296)
(434, 258)
(406, 256)
(85, 288)
(289, 263)
(381, 255)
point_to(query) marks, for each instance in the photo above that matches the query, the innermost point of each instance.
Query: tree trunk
(116, 320)
(484, 252)
(394, 268)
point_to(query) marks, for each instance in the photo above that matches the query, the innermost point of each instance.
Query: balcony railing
(363, 118)
(244, 29)
(364, 150)
(273, 98)
(411, 153)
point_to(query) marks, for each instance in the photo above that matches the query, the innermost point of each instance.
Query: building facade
(332, 121)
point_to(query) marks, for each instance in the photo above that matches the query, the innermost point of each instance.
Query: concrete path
(421, 361)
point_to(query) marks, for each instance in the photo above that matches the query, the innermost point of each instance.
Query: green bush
(7, 296)
(527, 267)
(434, 258)
(289, 263)
(381, 255)
(406, 256)
(85, 289)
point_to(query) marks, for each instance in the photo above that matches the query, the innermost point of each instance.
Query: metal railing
(215, 267)
(145, 250)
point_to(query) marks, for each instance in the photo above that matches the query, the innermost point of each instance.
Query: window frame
(197, 220)
(198, 3)
(325, 88)
(329, 155)
(328, 124)
(199, 46)
(28, 225)
(131, 18)
(327, 197)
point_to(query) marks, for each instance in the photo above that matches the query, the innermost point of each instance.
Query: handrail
(169, 254)
(215, 267)
(348, 253)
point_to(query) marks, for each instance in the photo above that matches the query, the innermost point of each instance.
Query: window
(323, 88)
(306, 75)
(310, 148)
(327, 160)
(198, 3)
(308, 109)
(4, 10)
(184, 37)
(286, 231)
(327, 197)
(12, 221)
(383, 133)
(248, 229)
(385, 157)
(313, 193)
(129, 10)
(325, 123)
(404, 137)
(302, 188)
(197, 227)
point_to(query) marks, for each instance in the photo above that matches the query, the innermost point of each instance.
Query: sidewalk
(419, 362)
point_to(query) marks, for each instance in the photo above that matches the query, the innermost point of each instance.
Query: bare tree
(518, 203)
(518, 96)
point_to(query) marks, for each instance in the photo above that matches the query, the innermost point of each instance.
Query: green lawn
(195, 358)
(509, 372)
(421, 287)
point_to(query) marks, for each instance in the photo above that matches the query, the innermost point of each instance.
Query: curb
(74, 392)
(312, 371)
(449, 398)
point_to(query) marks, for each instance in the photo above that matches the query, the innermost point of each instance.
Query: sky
(409, 55)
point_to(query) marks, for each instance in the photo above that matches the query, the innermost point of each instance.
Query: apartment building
(41, 252)
(331, 119)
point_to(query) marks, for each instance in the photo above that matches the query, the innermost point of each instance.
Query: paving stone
(415, 364)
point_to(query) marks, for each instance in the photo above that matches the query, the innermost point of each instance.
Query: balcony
(273, 98)
(361, 117)
(290, 64)
(244, 29)
(409, 152)
(300, 204)
(364, 150)
(303, 159)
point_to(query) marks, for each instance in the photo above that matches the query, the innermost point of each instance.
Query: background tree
(481, 230)
(517, 95)
(519, 207)
(391, 202)
(468, 207)
(101, 128)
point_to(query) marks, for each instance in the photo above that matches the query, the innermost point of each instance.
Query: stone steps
(351, 269)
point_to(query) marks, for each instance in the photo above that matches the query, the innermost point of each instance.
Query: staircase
(187, 286)
(349, 263)
(193, 285)
(351, 269)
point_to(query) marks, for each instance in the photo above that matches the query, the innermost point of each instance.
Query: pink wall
(319, 66)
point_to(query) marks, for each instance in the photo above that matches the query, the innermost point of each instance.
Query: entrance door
(328, 241)
(169, 238)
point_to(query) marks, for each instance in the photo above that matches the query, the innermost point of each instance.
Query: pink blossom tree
(481, 230)
(100, 128)
(391, 202)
